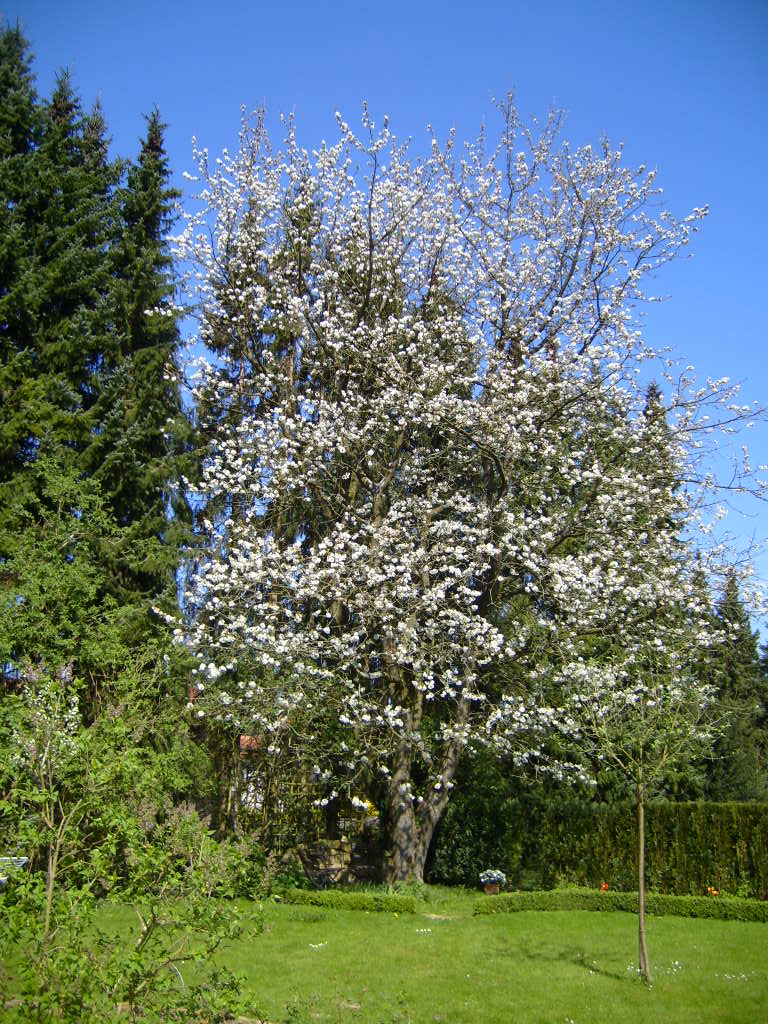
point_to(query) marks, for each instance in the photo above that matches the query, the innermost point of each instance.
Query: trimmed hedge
(688, 846)
(334, 899)
(543, 842)
(722, 908)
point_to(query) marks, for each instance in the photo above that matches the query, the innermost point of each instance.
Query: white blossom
(431, 472)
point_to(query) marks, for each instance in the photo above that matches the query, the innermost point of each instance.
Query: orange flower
(604, 887)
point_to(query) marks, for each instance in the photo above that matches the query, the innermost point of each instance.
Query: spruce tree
(20, 132)
(141, 441)
(60, 212)
(739, 768)
(88, 377)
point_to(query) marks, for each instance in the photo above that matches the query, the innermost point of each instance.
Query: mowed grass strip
(443, 965)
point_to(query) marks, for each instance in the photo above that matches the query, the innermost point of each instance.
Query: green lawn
(443, 965)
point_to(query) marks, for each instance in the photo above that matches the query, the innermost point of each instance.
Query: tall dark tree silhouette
(141, 437)
(739, 766)
(89, 387)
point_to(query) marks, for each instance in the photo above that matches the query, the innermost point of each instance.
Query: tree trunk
(50, 880)
(410, 836)
(644, 965)
(402, 860)
(401, 821)
(410, 830)
(225, 751)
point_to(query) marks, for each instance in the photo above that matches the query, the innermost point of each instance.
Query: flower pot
(491, 888)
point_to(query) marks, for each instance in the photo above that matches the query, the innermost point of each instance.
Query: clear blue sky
(683, 83)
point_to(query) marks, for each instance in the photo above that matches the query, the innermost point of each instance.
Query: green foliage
(162, 967)
(18, 106)
(52, 604)
(477, 828)
(101, 784)
(143, 440)
(541, 841)
(721, 908)
(738, 766)
(337, 900)
(98, 808)
(289, 874)
(87, 374)
(418, 890)
(58, 190)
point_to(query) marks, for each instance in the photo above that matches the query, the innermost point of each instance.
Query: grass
(444, 965)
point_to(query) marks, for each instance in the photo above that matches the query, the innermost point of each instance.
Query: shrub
(337, 900)
(721, 908)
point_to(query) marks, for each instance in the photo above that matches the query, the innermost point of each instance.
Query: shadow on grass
(566, 955)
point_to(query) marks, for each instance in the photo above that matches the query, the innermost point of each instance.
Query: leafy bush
(722, 908)
(93, 818)
(59, 964)
(418, 890)
(336, 900)
(479, 826)
(289, 873)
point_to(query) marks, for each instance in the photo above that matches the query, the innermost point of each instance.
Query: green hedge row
(336, 900)
(540, 843)
(689, 846)
(723, 908)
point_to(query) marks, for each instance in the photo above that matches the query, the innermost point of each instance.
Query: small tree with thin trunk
(628, 694)
(644, 719)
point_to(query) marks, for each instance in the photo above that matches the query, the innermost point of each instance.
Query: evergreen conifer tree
(61, 219)
(739, 769)
(88, 377)
(142, 436)
(20, 131)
